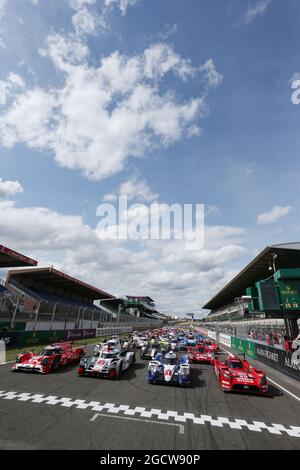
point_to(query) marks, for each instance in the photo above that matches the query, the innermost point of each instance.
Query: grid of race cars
(170, 351)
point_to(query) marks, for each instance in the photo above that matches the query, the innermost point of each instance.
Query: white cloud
(135, 189)
(160, 59)
(28, 120)
(102, 116)
(254, 11)
(10, 188)
(122, 4)
(78, 4)
(274, 215)
(65, 51)
(12, 83)
(163, 270)
(212, 76)
(85, 22)
(2, 7)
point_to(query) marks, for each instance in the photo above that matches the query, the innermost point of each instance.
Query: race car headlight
(45, 361)
(152, 369)
(227, 375)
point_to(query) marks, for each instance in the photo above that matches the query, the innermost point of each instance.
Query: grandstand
(10, 259)
(49, 299)
(141, 307)
(234, 303)
(46, 299)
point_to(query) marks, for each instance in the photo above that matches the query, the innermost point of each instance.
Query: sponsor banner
(237, 343)
(225, 339)
(10, 338)
(250, 349)
(14, 339)
(72, 335)
(243, 346)
(41, 337)
(212, 334)
(285, 361)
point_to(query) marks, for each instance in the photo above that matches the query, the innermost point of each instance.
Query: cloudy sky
(170, 101)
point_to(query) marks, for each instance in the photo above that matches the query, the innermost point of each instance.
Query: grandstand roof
(12, 259)
(50, 277)
(288, 256)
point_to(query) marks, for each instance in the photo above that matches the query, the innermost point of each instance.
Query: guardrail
(113, 331)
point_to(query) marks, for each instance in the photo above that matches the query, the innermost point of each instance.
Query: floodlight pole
(274, 265)
(36, 315)
(15, 313)
(53, 315)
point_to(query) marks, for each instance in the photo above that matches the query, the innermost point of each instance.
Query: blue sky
(177, 101)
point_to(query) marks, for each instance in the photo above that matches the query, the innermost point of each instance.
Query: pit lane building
(268, 287)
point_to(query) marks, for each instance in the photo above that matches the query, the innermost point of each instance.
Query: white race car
(106, 363)
(113, 343)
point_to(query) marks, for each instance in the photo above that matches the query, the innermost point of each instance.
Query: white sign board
(225, 339)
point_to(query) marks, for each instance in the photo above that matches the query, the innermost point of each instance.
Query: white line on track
(180, 426)
(141, 412)
(284, 389)
(271, 380)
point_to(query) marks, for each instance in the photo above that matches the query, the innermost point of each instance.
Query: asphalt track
(64, 411)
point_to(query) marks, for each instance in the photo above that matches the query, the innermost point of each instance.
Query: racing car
(141, 341)
(191, 340)
(149, 351)
(169, 368)
(182, 343)
(201, 354)
(113, 343)
(108, 362)
(212, 346)
(49, 358)
(237, 375)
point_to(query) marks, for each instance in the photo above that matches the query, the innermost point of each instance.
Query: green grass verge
(11, 354)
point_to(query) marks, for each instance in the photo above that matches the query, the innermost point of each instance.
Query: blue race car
(191, 340)
(182, 343)
(169, 368)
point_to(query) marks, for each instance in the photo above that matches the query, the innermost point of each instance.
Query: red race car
(201, 354)
(236, 375)
(49, 359)
(212, 346)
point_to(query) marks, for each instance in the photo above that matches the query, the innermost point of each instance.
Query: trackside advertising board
(212, 334)
(225, 339)
(72, 335)
(286, 362)
(30, 338)
(243, 346)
